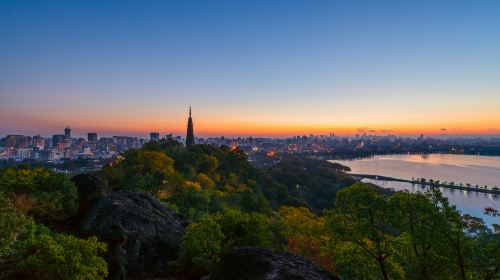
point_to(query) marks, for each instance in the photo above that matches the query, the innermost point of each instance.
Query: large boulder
(255, 263)
(142, 234)
(91, 188)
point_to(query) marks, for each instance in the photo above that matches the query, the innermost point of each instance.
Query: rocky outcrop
(255, 263)
(91, 188)
(142, 234)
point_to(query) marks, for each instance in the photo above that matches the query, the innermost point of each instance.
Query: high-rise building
(190, 132)
(47, 154)
(57, 138)
(16, 141)
(154, 136)
(38, 142)
(92, 137)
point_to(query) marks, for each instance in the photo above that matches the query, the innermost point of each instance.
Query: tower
(67, 132)
(190, 133)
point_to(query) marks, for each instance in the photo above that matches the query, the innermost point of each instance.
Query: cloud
(443, 129)
(366, 129)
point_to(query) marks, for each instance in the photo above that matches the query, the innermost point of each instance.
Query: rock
(91, 188)
(142, 234)
(252, 263)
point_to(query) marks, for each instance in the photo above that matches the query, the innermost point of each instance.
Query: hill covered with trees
(306, 207)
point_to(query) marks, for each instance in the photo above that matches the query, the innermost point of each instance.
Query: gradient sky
(250, 67)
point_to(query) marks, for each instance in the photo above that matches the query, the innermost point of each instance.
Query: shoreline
(426, 183)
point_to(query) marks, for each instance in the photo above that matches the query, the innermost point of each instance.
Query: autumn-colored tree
(39, 192)
(306, 235)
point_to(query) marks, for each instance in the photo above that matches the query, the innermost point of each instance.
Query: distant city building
(190, 131)
(16, 141)
(46, 155)
(25, 154)
(92, 137)
(38, 142)
(154, 136)
(57, 138)
(63, 145)
(67, 133)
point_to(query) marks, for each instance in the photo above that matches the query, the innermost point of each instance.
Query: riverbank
(426, 183)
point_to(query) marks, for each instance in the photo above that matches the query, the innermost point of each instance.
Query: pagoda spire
(190, 131)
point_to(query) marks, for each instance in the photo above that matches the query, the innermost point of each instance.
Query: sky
(261, 67)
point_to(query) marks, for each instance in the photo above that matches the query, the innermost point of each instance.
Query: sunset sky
(261, 68)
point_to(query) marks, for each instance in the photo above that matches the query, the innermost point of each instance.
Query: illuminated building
(16, 141)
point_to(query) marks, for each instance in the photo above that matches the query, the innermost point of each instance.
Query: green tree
(202, 245)
(363, 221)
(47, 255)
(12, 226)
(418, 249)
(39, 192)
(452, 234)
(245, 229)
(141, 170)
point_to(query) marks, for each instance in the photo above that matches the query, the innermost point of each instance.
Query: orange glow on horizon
(209, 124)
(208, 129)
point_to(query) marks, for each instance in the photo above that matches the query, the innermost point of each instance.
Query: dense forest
(308, 207)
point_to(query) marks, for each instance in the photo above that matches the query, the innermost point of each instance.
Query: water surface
(475, 170)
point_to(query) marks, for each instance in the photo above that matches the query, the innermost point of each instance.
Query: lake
(475, 170)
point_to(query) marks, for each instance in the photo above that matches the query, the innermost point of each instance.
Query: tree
(201, 246)
(12, 226)
(245, 229)
(452, 234)
(141, 170)
(417, 248)
(39, 192)
(31, 251)
(47, 255)
(306, 235)
(361, 222)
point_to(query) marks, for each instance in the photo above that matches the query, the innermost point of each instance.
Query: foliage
(31, 251)
(317, 180)
(246, 229)
(302, 206)
(47, 255)
(408, 236)
(311, 183)
(362, 221)
(39, 192)
(202, 244)
(306, 235)
(140, 170)
(12, 225)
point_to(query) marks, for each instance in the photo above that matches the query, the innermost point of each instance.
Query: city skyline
(267, 68)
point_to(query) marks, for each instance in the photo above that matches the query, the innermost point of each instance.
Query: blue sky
(249, 67)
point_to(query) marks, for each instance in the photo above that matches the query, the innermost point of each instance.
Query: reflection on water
(476, 170)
